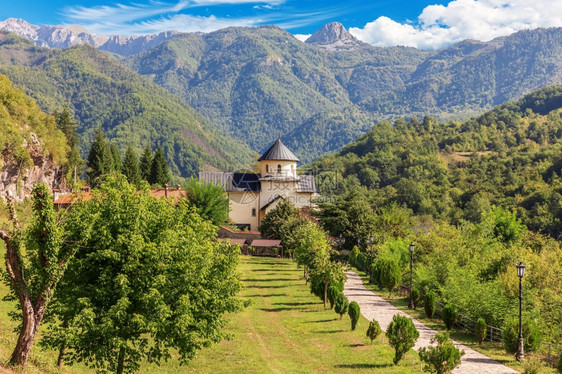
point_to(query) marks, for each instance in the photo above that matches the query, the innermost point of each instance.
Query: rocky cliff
(16, 181)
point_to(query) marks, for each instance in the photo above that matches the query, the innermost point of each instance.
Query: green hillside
(130, 109)
(19, 118)
(509, 157)
(253, 82)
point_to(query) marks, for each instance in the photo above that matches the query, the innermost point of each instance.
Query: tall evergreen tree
(68, 125)
(116, 157)
(131, 167)
(146, 163)
(100, 160)
(159, 173)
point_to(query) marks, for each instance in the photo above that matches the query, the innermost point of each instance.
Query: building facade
(253, 195)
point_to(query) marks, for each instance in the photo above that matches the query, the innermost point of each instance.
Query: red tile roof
(265, 243)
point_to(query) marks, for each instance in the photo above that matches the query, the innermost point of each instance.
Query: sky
(418, 23)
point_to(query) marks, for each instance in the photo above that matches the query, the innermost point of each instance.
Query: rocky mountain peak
(333, 36)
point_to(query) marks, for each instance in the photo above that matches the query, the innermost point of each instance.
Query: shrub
(341, 304)
(443, 358)
(389, 273)
(533, 365)
(531, 336)
(449, 316)
(429, 304)
(354, 313)
(361, 262)
(333, 291)
(374, 330)
(416, 297)
(560, 364)
(480, 329)
(402, 335)
(353, 256)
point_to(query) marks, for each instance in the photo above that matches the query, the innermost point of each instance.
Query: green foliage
(116, 157)
(429, 304)
(449, 315)
(480, 328)
(532, 336)
(16, 110)
(506, 226)
(100, 159)
(131, 167)
(311, 242)
(333, 291)
(402, 335)
(101, 91)
(533, 365)
(443, 358)
(353, 256)
(416, 297)
(209, 200)
(146, 163)
(361, 262)
(342, 304)
(68, 125)
(354, 313)
(324, 272)
(388, 272)
(274, 220)
(151, 280)
(560, 364)
(159, 170)
(373, 330)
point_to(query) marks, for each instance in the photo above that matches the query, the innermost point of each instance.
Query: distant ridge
(68, 36)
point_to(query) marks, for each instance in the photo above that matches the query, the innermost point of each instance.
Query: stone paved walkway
(374, 306)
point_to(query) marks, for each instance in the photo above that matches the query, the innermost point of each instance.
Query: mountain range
(251, 83)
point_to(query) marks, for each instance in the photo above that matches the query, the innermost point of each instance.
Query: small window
(267, 168)
(253, 212)
(279, 169)
(293, 169)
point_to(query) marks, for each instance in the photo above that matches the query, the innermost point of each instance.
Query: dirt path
(374, 306)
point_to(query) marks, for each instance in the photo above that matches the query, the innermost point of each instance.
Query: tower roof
(278, 151)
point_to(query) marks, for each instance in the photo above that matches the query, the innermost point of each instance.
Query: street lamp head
(412, 247)
(520, 270)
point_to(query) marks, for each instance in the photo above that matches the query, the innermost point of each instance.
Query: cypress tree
(100, 160)
(146, 163)
(131, 168)
(159, 173)
(68, 125)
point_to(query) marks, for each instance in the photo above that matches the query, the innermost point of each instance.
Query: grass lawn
(284, 330)
(493, 350)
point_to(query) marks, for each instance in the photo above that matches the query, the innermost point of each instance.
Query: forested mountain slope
(32, 149)
(254, 81)
(510, 157)
(130, 109)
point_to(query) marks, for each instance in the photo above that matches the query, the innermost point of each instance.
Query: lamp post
(412, 247)
(520, 272)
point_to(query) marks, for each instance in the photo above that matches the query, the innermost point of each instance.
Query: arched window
(279, 169)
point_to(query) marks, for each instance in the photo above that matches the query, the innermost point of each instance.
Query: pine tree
(131, 168)
(116, 157)
(146, 163)
(68, 125)
(159, 173)
(100, 160)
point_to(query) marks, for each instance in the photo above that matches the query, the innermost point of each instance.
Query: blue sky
(419, 23)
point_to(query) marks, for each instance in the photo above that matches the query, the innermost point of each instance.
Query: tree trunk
(121, 361)
(62, 349)
(325, 293)
(30, 325)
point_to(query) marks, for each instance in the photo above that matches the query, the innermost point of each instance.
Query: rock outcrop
(333, 36)
(17, 182)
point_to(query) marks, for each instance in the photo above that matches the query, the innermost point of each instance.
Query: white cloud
(302, 37)
(439, 26)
